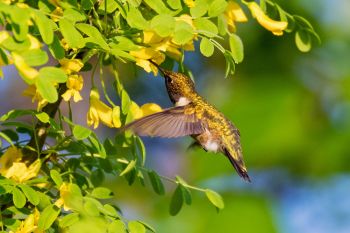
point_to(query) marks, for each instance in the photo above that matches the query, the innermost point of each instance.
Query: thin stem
(104, 86)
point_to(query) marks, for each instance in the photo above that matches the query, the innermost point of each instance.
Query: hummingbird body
(193, 116)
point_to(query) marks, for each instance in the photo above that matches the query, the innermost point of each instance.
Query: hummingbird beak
(163, 71)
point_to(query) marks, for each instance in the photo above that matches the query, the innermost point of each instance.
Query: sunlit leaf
(215, 198)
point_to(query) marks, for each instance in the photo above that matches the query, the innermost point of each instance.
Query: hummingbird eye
(168, 80)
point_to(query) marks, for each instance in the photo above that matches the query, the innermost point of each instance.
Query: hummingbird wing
(170, 123)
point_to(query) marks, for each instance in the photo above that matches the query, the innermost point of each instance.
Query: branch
(41, 129)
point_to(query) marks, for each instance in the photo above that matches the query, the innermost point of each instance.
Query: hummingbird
(192, 116)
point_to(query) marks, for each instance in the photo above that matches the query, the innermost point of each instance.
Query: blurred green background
(293, 112)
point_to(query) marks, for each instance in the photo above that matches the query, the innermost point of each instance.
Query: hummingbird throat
(182, 101)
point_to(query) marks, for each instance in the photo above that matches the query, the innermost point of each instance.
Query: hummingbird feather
(170, 123)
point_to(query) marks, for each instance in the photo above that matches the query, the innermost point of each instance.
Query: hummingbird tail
(238, 165)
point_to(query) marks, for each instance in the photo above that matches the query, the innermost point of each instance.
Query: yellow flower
(20, 172)
(276, 27)
(71, 65)
(30, 224)
(64, 44)
(150, 108)
(145, 110)
(23, 68)
(31, 91)
(234, 13)
(74, 85)
(190, 3)
(143, 55)
(34, 42)
(11, 166)
(99, 111)
(3, 36)
(65, 192)
(56, 14)
(12, 154)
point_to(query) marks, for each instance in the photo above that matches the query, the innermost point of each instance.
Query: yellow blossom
(31, 91)
(74, 85)
(276, 27)
(71, 65)
(234, 13)
(34, 42)
(11, 166)
(150, 108)
(65, 191)
(64, 44)
(20, 172)
(30, 224)
(56, 14)
(145, 110)
(116, 117)
(24, 69)
(190, 3)
(12, 154)
(3, 36)
(143, 55)
(99, 111)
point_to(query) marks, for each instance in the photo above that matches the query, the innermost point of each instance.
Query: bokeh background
(293, 111)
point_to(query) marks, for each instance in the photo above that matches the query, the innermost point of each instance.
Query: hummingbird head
(178, 85)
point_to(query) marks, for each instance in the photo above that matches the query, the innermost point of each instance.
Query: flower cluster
(12, 167)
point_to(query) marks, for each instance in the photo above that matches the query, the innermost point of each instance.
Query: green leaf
(215, 198)
(56, 177)
(48, 216)
(141, 149)
(102, 193)
(134, 3)
(175, 4)
(30, 193)
(90, 207)
(148, 227)
(109, 211)
(116, 226)
(6, 138)
(12, 135)
(199, 9)
(35, 57)
(205, 27)
(73, 38)
(163, 24)
(95, 34)
(236, 47)
(56, 48)
(87, 4)
(176, 202)
(128, 168)
(303, 41)
(43, 117)
(187, 195)
(69, 220)
(230, 64)
(216, 7)
(136, 20)
(206, 47)
(123, 43)
(156, 183)
(183, 33)
(19, 199)
(120, 53)
(46, 89)
(136, 227)
(112, 5)
(20, 17)
(158, 6)
(126, 102)
(44, 25)
(73, 15)
(53, 74)
(97, 177)
(80, 132)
